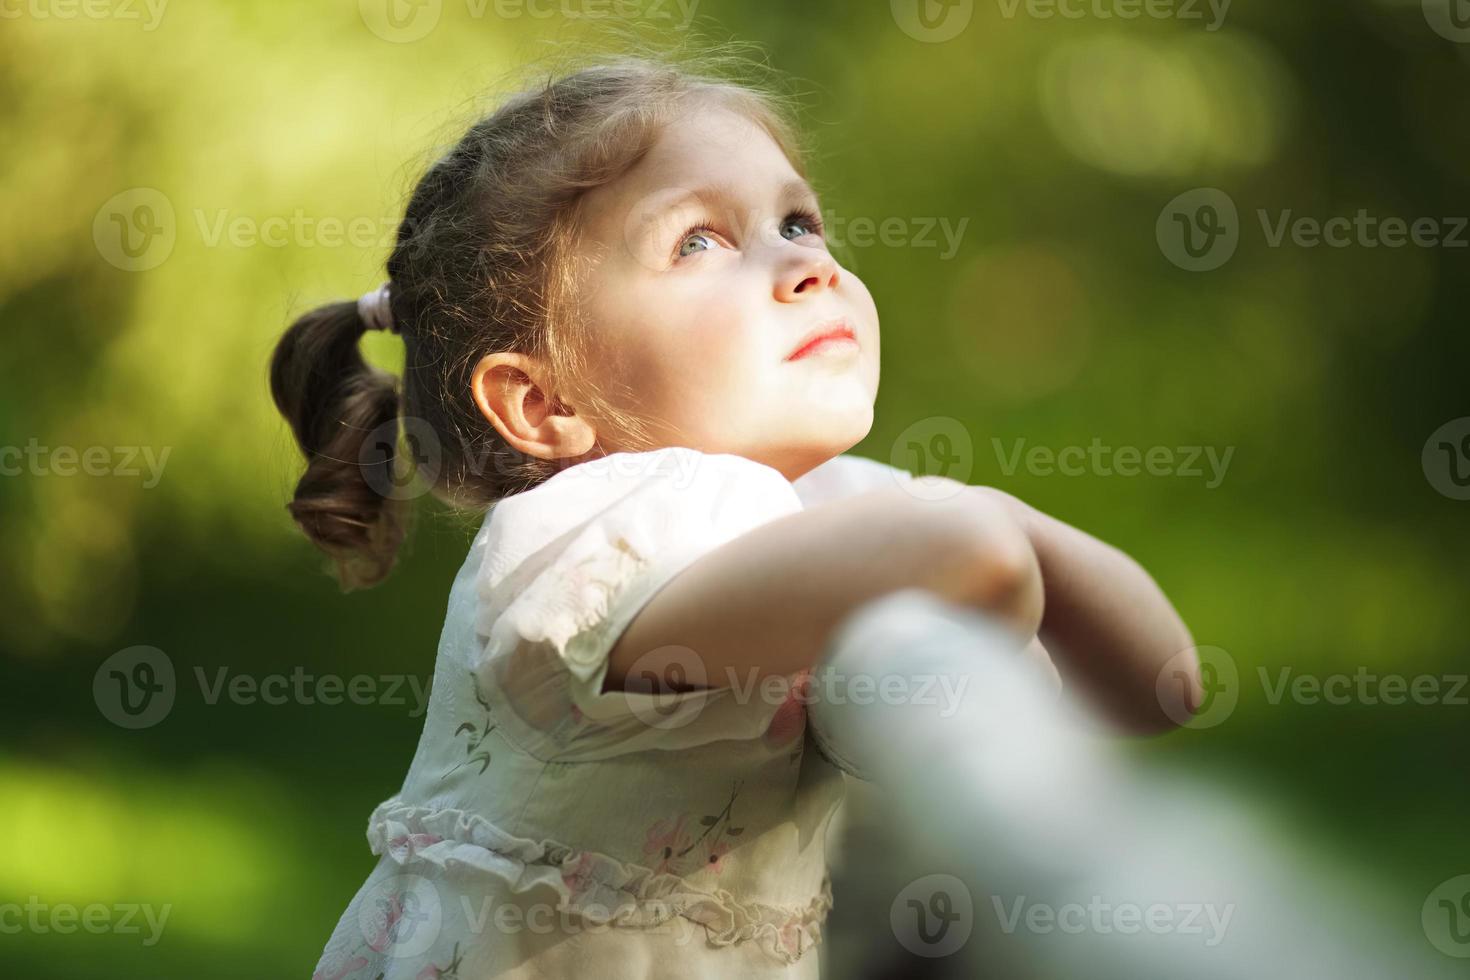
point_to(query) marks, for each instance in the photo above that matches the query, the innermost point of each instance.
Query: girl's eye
(695, 233)
(803, 218)
(806, 222)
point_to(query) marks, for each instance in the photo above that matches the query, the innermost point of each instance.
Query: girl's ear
(507, 388)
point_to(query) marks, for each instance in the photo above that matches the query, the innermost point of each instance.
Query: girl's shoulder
(675, 479)
(565, 566)
(846, 475)
(657, 490)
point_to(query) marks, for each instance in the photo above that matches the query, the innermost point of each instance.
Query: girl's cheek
(859, 294)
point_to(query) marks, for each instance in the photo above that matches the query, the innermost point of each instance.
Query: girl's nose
(805, 270)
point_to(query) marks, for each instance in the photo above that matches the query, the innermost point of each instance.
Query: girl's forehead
(714, 154)
(718, 145)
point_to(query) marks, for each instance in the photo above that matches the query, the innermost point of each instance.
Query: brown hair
(484, 262)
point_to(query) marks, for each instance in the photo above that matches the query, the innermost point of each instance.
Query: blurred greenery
(1059, 319)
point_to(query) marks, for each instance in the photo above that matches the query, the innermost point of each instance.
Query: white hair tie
(374, 310)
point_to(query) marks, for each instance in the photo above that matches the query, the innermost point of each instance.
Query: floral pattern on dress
(352, 965)
(670, 842)
(449, 971)
(507, 633)
(579, 879)
(665, 839)
(790, 937)
(477, 734)
(404, 845)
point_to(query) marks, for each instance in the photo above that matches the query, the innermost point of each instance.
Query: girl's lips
(833, 335)
(833, 344)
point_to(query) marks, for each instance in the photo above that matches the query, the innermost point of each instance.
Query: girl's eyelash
(807, 216)
(811, 217)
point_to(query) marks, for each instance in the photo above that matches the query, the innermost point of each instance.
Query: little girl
(626, 341)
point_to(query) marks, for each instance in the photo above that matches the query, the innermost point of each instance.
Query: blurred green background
(257, 157)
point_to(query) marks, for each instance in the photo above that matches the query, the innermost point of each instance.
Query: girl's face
(708, 272)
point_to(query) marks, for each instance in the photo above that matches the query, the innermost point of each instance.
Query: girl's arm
(1107, 625)
(768, 601)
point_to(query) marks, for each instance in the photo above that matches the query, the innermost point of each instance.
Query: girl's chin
(834, 433)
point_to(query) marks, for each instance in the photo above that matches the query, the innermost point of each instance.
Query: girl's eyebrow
(789, 193)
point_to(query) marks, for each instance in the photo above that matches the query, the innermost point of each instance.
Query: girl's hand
(1108, 624)
(1003, 573)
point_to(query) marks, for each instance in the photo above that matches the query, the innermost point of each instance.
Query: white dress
(547, 829)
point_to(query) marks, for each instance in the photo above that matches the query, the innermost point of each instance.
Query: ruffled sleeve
(566, 567)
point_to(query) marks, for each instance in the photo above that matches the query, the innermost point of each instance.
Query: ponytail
(334, 400)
